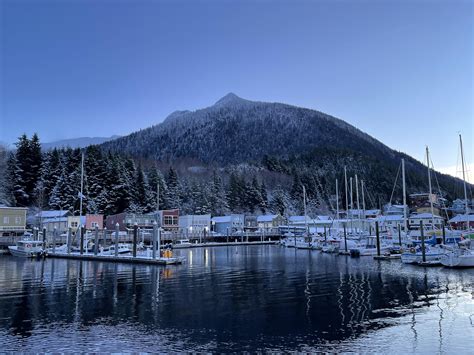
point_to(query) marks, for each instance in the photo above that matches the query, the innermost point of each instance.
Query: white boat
(369, 247)
(415, 255)
(183, 242)
(461, 256)
(27, 248)
(110, 250)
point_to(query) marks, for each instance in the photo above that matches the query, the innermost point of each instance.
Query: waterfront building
(232, 223)
(250, 223)
(12, 220)
(269, 222)
(194, 224)
(461, 220)
(94, 220)
(391, 210)
(53, 219)
(127, 220)
(429, 221)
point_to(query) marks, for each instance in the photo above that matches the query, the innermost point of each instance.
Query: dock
(139, 259)
(222, 244)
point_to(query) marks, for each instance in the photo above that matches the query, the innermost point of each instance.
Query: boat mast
(82, 186)
(304, 205)
(337, 200)
(357, 196)
(345, 184)
(404, 197)
(429, 183)
(352, 202)
(464, 182)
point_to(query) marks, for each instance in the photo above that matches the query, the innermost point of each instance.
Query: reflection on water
(235, 299)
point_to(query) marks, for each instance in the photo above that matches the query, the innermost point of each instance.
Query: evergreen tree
(173, 193)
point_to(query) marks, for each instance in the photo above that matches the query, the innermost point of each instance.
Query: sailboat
(463, 255)
(432, 254)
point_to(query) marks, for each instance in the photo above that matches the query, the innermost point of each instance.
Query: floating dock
(222, 244)
(139, 259)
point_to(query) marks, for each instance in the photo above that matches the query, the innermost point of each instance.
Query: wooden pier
(139, 259)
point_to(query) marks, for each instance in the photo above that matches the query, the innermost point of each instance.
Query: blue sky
(400, 70)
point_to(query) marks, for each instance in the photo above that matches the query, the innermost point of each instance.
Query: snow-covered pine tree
(173, 196)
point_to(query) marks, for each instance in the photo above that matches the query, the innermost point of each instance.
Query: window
(17, 220)
(74, 224)
(6, 220)
(94, 224)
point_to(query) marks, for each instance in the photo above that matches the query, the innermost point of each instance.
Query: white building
(231, 224)
(428, 219)
(269, 222)
(195, 224)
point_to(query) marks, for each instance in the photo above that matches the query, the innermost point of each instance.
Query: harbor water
(236, 298)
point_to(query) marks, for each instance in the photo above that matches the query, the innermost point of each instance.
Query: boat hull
(460, 261)
(22, 253)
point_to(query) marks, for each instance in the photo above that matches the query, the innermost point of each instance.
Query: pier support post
(135, 235)
(345, 238)
(159, 242)
(154, 237)
(227, 234)
(117, 226)
(378, 237)
(444, 233)
(44, 238)
(325, 235)
(55, 231)
(96, 240)
(81, 231)
(69, 240)
(423, 252)
(399, 235)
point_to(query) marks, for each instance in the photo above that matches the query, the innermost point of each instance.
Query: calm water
(236, 299)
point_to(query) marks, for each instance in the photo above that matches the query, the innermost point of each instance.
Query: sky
(401, 71)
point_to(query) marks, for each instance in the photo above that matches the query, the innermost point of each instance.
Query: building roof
(266, 218)
(55, 220)
(462, 218)
(303, 219)
(52, 214)
(424, 216)
(222, 219)
(390, 218)
(372, 212)
(12, 208)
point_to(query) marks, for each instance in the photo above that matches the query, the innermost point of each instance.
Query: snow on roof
(299, 218)
(372, 212)
(52, 214)
(266, 218)
(423, 215)
(462, 218)
(55, 220)
(13, 208)
(222, 219)
(323, 218)
(390, 218)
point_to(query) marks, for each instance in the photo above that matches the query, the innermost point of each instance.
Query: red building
(94, 220)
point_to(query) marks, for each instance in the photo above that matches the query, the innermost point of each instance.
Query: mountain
(304, 144)
(80, 142)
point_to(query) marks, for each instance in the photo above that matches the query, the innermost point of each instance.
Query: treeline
(113, 184)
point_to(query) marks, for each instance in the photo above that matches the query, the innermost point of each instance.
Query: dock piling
(54, 239)
(159, 242)
(96, 240)
(444, 233)
(44, 237)
(117, 226)
(81, 231)
(69, 240)
(377, 234)
(423, 252)
(345, 238)
(154, 236)
(399, 236)
(135, 235)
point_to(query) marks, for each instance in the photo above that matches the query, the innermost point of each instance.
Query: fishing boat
(110, 250)
(369, 247)
(414, 255)
(27, 248)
